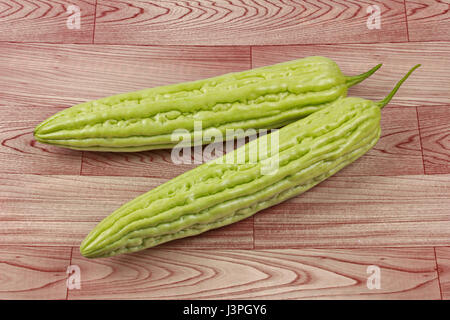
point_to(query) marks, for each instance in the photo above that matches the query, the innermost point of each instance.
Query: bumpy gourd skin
(216, 194)
(267, 97)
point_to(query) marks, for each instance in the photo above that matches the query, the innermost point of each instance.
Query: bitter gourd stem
(388, 98)
(351, 81)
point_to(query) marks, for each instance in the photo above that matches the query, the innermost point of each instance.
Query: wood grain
(435, 136)
(342, 211)
(45, 21)
(155, 164)
(314, 246)
(20, 153)
(61, 210)
(33, 273)
(443, 263)
(428, 20)
(428, 85)
(361, 211)
(252, 22)
(64, 75)
(259, 274)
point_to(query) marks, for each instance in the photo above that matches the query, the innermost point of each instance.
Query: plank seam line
(240, 45)
(247, 248)
(437, 271)
(70, 263)
(166, 179)
(95, 20)
(420, 142)
(224, 45)
(406, 20)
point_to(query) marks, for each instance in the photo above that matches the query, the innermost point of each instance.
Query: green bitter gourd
(262, 98)
(216, 193)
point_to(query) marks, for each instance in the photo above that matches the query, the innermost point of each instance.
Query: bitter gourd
(219, 193)
(266, 97)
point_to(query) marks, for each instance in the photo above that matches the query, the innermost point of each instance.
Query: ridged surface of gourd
(217, 193)
(267, 97)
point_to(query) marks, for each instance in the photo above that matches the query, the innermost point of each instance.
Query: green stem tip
(388, 98)
(351, 81)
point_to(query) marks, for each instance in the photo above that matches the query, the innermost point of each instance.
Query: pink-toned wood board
(428, 20)
(59, 210)
(353, 211)
(254, 22)
(75, 69)
(259, 274)
(39, 74)
(361, 211)
(171, 22)
(33, 272)
(20, 153)
(46, 21)
(389, 209)
(435, 134)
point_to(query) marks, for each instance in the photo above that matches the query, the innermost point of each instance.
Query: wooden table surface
(390, 209)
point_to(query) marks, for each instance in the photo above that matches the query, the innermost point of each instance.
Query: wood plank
(154, 163)
(388, 211)
(428, 20)
(259, 274)
(33, 272)
(435, 137)
(360, 212)
(254, 22)
(61, 210)
(428, 85)
(397, 153)
(443, 263)
(20, 153)
(46, 21)
(63, 75)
